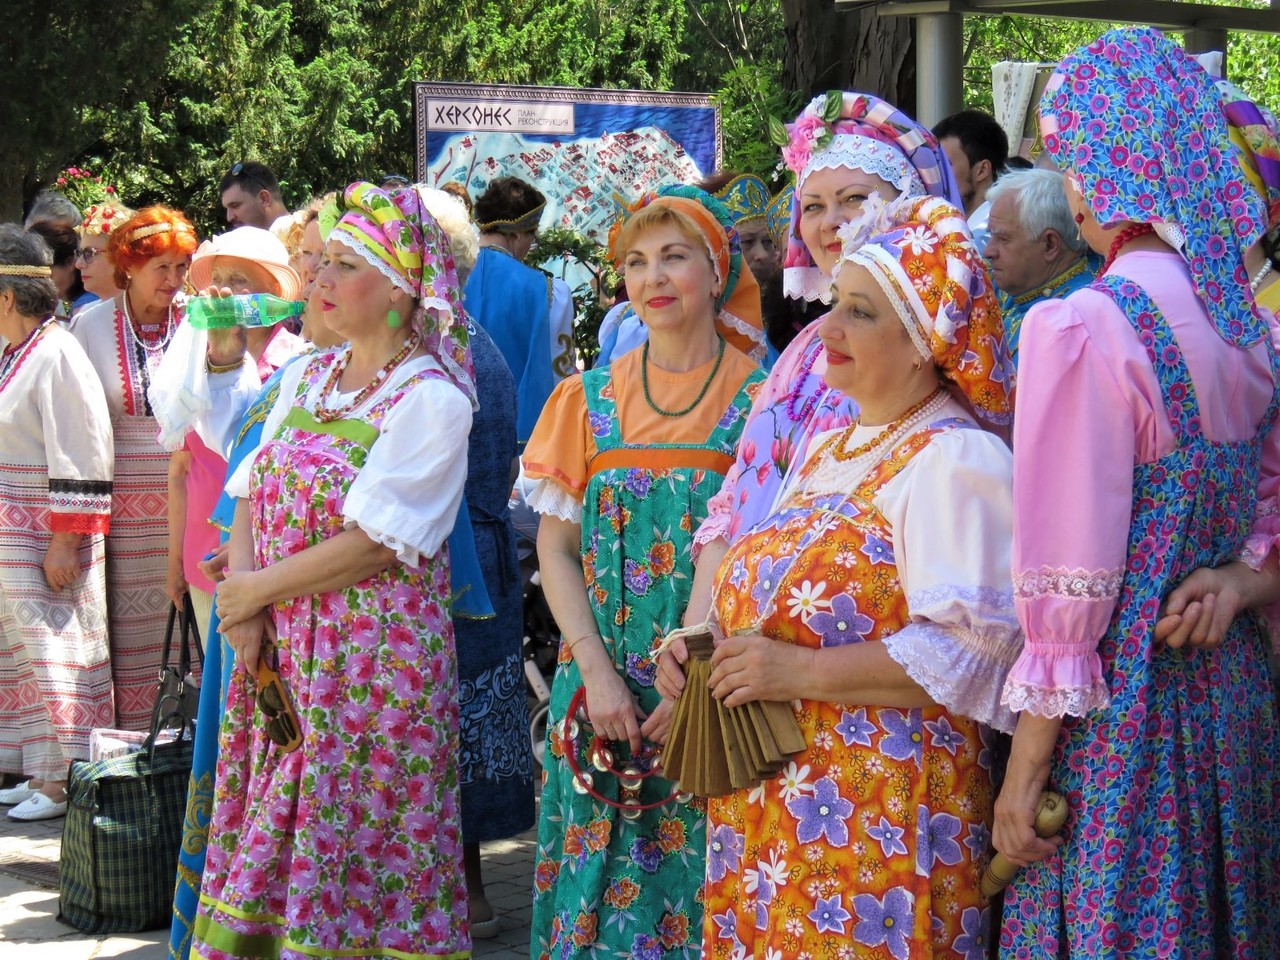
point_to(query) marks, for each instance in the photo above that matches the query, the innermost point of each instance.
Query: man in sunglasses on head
(251, 196)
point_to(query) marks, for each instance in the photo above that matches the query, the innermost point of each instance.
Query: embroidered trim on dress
(1077, 584)
(990, 602)
(83, 523)
(550, 499)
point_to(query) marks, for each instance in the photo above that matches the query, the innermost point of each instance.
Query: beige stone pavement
(29, 929)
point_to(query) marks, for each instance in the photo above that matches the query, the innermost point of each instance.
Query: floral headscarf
(1139, 127)
(738, 317)
(394, 233)
(859, 132)
(922, 255)
(1254, 132)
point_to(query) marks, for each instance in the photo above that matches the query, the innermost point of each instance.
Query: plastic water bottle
(242, 310)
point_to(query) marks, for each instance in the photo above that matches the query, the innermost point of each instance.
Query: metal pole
(939, 67)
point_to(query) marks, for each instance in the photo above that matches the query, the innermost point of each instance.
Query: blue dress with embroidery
(1172, 844)
(495, 766)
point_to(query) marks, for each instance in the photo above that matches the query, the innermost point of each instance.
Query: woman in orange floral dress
(878, 595)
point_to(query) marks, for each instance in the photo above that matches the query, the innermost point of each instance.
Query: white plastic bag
(179, 391)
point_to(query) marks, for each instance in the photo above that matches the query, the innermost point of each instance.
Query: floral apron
(871, 842)
(349, 846)
(1173, 840)
(605, 886)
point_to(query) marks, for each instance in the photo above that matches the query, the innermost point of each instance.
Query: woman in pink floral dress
(349, 845)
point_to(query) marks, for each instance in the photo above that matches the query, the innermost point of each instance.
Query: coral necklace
(1123, 237)
(843, 455)
(326, 414)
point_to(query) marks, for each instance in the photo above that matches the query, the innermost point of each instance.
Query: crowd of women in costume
(971, 583)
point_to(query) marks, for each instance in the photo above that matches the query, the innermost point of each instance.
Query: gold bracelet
(211, 367)
(573, 643)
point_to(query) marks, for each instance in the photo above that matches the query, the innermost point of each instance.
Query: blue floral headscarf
(1139, 127)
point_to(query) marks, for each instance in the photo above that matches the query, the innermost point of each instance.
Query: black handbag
(178, 700)
(125, 814)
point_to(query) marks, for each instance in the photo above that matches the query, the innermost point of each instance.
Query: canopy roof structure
(940, 31)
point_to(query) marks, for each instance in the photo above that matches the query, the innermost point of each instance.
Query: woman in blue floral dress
(624, 459)
(1144, 429)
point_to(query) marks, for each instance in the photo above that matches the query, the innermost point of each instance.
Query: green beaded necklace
(644, 379)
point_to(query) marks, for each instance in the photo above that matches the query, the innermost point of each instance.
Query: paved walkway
(29, 929)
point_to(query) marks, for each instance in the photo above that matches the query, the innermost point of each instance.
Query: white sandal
(39, 806)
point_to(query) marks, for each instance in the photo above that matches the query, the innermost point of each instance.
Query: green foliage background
(164, 95)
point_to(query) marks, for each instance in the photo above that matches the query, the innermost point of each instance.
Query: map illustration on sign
(589, 151)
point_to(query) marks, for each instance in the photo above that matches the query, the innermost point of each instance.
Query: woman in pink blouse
(1143, 431)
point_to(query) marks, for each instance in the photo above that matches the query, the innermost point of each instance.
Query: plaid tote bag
(124, 824)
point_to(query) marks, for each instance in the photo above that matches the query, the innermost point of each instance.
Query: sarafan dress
(871, 842)
(350, 845)
(1167, 757)
(638, 484)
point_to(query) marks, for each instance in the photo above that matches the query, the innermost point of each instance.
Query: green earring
(394, 320)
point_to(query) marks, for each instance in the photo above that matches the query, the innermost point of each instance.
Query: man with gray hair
(1035, 251)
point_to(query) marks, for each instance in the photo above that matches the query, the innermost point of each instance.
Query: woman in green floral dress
(624, 459)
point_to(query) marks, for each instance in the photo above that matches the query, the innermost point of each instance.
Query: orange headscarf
(921, 253)
(738, 317)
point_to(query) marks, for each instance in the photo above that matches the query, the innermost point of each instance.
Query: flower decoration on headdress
(738, 307)
(393, 232)
(1139, 127)
(84, 188)
(812, 130)
(860, 132)
(921, 254)
(100, 219)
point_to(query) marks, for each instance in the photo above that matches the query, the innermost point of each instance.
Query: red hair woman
(125, 337)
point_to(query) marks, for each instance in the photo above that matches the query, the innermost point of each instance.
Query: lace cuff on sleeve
(714, 527)
(549, 498)
(960, 648)
(1056, 680)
